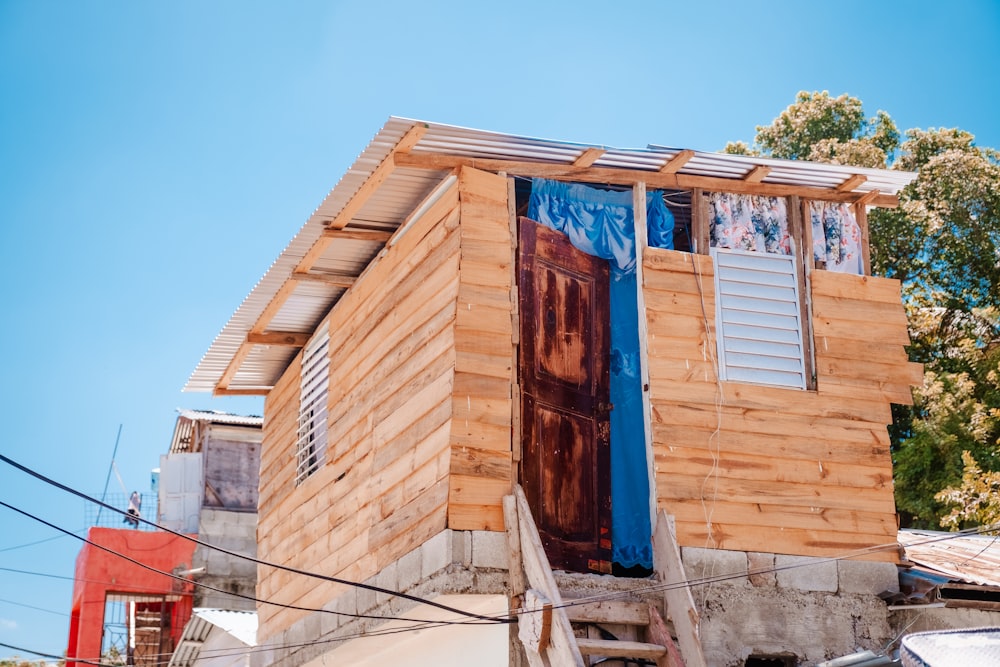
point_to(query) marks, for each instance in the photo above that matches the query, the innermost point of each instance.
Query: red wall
(99, 572)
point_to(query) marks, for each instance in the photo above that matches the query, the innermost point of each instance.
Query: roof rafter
(675, 163)
(357, 201)
(851, 183)
(286, 338)
(629, 177)
(588, 157)
(334, 279)
(757, 174)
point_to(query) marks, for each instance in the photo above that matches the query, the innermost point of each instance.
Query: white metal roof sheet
(404, 188)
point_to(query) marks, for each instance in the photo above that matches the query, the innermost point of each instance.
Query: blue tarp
(600, 223)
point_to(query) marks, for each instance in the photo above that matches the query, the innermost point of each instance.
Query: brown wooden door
(565, 345)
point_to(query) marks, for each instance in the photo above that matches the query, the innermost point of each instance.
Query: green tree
(943, 244)
(976, 501)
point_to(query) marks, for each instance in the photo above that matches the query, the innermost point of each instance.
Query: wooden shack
(425, 347)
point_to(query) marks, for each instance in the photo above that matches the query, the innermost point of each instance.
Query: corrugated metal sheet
(405, 188)
(973, 559)
(219, 417)
(240, 624)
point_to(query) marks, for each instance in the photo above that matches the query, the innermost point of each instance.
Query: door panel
(565, 343)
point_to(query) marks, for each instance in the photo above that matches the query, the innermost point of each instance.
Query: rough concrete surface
(740, 621)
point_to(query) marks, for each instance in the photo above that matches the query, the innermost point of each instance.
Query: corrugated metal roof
(219, 417)
(403, 188)
(973, 559)
(240, 624)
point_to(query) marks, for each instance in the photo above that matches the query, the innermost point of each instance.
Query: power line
(31, 544)
(259, 648)
(28, 606)
(239, 595)
(253, 559)
(51, 655)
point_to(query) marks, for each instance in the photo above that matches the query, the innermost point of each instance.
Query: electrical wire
(253, 559)
(28, 606)
(251, 598)
(51, 655)
(31, 544)
(260, 648)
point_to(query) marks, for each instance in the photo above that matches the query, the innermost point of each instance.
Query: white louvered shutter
(311, 448)
(759, 319)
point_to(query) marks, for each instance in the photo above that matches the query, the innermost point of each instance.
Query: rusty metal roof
(388, 193)
(973, 559)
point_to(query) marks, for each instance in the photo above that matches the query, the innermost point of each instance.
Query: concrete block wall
(767, 604)
(236, 532)
(451, 562)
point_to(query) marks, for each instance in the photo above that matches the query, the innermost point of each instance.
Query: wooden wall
(392, 368)
(419, 422)
(482, 404)
(771, 469)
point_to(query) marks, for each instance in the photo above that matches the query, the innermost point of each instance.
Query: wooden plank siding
(383, 490)
(754, 468)
(481, 462)
(420, 405)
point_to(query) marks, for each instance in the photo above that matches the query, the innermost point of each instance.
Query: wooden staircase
(558, 631)
(618, 632)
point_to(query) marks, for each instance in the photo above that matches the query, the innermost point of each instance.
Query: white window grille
(311, 447)
(759, 318)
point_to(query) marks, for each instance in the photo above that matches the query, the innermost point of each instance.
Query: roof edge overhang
(401, 168)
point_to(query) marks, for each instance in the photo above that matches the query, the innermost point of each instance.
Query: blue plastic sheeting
(600, 222)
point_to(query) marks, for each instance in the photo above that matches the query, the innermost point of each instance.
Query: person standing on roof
(134, 505)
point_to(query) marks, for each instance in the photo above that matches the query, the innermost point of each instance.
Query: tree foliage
(976, 501)
(943, 244)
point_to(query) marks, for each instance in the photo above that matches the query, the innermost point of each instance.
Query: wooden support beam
(562, 648)
(589, 157)
(757, 174)
(851, 183)
(286, 338)
(867, 198)
(332, 279)
(679, 602)
(261, 391)
(628, 177)
(675, 163)
(700, 233)
(861, 215)
(658, 633)
(800, 227)
(259, 326)
(358, 234)
(371, 184)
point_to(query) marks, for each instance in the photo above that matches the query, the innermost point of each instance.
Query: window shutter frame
(759, 328)
(314, 389)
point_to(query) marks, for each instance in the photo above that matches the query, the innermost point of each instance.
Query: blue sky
(155, 157)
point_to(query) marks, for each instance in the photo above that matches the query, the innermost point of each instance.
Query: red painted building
(123, 609)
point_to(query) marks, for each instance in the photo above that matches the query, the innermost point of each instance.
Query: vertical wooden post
(699, 222)
(515, 327)
(641, 243)
(800, 226)
(861, 215)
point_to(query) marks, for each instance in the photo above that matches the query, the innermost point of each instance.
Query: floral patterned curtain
(749, 222)
(836, 237)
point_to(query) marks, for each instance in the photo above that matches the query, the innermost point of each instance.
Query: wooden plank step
(623, 612)
(611, 648)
